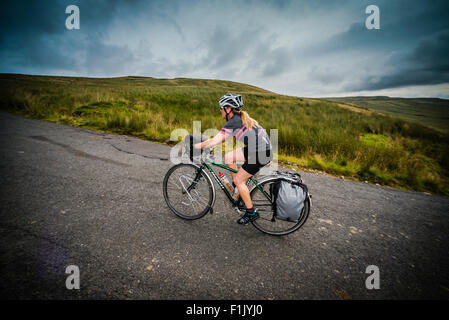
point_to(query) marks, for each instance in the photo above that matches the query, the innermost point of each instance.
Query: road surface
(71, 196)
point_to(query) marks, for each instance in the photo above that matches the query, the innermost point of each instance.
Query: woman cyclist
(256, 153)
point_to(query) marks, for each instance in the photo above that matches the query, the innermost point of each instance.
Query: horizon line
(210, 79)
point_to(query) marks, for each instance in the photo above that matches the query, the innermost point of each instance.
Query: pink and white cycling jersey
(256, 139)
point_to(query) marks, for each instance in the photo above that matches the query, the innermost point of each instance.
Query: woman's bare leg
(232, 157)
(241, 176)
(240, 181)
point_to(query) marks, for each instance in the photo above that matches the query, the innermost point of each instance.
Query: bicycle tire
(204, 178)
(292, 226)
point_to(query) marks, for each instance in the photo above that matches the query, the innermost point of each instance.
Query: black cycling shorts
(256, 160)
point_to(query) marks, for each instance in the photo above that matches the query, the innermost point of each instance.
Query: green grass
(431, 112)
(313, 133)
(376, 140)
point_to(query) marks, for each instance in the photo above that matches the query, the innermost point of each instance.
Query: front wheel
(267, 222)
(188, 191)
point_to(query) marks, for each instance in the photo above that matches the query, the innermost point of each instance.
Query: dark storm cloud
(222, 49)
(26, 20)
(319, 45)
(413, 35)
(254, 45)
(277, 62)
(427, 64)
(33, 36)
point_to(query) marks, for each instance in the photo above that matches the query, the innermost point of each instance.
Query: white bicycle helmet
(232, 100)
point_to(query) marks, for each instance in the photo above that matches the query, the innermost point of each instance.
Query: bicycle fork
(193, 182)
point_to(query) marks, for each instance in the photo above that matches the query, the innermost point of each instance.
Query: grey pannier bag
(288, 199)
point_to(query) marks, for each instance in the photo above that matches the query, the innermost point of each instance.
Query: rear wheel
(188, 191)
(268, 223)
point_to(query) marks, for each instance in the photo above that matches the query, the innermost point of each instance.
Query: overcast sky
(312, 48)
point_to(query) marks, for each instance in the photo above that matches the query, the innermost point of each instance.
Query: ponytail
(248, 122)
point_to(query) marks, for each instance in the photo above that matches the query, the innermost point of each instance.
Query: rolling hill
(432, 112)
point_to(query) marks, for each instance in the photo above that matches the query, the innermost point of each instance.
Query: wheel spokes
(268, 222)
(187, 193)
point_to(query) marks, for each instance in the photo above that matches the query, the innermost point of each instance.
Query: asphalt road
(71, 196)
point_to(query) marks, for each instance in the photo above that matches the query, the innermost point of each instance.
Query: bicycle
(194, 195)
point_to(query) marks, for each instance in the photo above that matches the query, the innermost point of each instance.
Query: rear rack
(289, 175)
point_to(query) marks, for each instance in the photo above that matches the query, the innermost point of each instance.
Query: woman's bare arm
(219, 138)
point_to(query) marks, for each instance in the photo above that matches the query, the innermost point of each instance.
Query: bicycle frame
(207, 164)
(263, 202)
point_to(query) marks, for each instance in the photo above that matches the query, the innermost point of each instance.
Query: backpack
(288, 196)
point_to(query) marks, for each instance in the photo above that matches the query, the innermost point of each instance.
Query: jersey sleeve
(231, 127)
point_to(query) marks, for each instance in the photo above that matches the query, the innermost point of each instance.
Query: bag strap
(274, 191)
